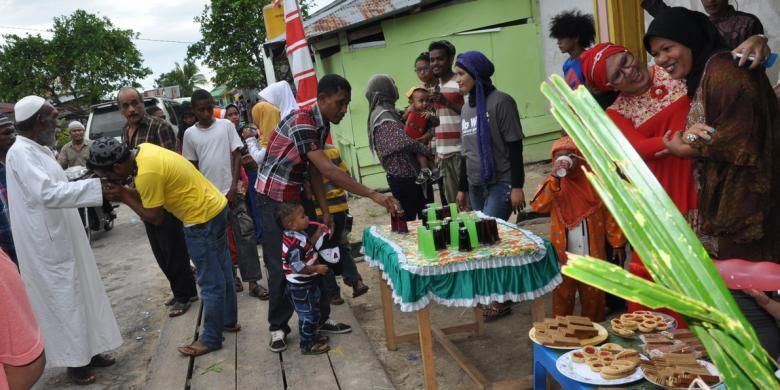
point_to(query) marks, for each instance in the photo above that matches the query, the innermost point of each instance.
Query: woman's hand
(755, 46)
(697, 132)
(676, 146)
(518, 199)
(461, 201)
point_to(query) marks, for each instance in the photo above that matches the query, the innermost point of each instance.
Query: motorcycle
(94, 218)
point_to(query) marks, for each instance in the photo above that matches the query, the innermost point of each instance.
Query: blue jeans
(305, 299)
(494, 200)
(208, 249)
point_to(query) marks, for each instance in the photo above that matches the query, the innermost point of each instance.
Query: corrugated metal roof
(344, 13)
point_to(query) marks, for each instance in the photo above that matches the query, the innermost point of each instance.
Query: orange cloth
(601, 228)
(576, 197)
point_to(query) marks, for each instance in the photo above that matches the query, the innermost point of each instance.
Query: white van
(105, 120)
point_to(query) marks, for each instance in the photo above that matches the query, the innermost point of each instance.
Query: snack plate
(710, 367)
(669, 320)
(581, 372)
(586, 342)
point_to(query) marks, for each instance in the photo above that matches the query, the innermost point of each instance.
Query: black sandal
(178, 309)
(315, 349)
(259, 292)
(495, 311)
(101, 360)
(81, 375)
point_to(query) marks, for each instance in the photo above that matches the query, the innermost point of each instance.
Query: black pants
(765, 325)
(170, 250)
(279, 307)
(246, 243)
(348, 269)
(409, 194)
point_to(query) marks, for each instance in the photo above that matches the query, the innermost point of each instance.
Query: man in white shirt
(213, 145)
(55, 260)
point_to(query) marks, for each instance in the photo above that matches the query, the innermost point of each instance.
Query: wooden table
(412, 284)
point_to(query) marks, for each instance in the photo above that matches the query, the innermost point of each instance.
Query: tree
(187, 77)
(87, 58)
(233, 34)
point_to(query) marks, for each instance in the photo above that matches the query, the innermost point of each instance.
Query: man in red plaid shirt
(295, 153)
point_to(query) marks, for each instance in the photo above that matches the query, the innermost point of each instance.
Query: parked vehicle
(105, 120)
(95, 218)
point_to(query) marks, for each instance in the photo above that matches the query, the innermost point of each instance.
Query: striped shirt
(336, 196)
(282, 172)
(448, 132)
(151, 130)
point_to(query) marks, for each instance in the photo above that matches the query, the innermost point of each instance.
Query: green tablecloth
(523, 267)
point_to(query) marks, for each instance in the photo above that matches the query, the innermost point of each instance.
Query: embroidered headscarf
(381, 93)
(280, 95)
(594, 64)
(480, 69)
(691, 29)
(577, 198)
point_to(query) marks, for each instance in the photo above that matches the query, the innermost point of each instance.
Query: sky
(171, 20)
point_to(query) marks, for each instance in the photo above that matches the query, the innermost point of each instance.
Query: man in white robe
(55, 259)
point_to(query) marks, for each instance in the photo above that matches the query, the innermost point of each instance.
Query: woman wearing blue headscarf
(492, 171)
(492, 141)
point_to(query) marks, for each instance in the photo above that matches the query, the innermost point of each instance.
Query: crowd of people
(213, 189)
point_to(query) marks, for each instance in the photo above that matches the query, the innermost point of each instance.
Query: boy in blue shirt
(574, 32)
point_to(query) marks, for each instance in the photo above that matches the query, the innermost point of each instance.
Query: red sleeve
(20, 339)
(647, 147)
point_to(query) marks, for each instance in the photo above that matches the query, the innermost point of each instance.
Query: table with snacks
(509, 264)
(658, 356)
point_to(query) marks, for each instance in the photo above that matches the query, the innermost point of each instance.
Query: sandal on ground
(321, 338)
(238, 284)
(171, 301)
(101, 360)
(495, 311)
(232, 329)
(359, 289)
(195, 349)
(178, 309)
(315, 349)
(259, 292)
(81, 375)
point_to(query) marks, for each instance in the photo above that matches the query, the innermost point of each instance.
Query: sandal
(315, 349)
(495, 311)
(178, 309)
(81, 375)
(259, 292)
(238, 284)
(321, 338)
(232, 329)
(101, 360)
(195, 349)
(359, 289)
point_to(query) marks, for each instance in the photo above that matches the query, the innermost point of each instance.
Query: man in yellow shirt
(164, 180)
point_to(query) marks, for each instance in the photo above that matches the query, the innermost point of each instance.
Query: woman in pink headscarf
(649, 104)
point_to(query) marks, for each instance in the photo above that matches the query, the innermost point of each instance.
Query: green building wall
(515, 49)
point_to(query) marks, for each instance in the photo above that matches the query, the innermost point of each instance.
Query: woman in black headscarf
(395, 150)
(732, 133)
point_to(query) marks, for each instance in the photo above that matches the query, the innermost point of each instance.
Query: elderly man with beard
(56, 262)
(167, 238)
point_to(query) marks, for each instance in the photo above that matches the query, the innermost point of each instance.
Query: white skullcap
(27, 107)
(75, 125)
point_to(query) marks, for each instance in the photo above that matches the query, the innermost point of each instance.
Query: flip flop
(178, 309)
(81, 375)
(259, 292)
(195, 349)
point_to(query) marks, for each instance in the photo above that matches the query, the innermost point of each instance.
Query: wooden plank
(479, 322)
(168, 368)
(256, 366)
(387, 315)
(537, 310)
(303, 372)
(464, 362)
(426, 348)
(353, 360)
(414, 337)
(216, 370)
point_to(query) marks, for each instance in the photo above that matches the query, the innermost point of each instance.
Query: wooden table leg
(426, 347)
(537, 310)
(479, 322)
(387, 314)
